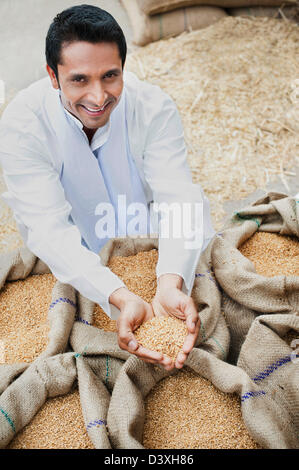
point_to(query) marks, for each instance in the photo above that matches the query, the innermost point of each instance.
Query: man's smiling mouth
(96, 111)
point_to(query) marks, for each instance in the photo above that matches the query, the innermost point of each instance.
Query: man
(82, 137)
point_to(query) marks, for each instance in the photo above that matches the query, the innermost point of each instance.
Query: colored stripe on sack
(247, 217)
(273, 367)
(252, 394)
(209, 274)
(8, 419)
(82, 353)
(82, 321)
(62, 299)
(219, 345)
(203, 333)
(97, 423)
(107, 370)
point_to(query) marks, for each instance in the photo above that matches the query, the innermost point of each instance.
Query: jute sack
(101, 367)
(289, 12)
(20, 264)
(95, 359)
(25, 387)
(266, 379)
(148, 29)
(152, 7)
(246, 294)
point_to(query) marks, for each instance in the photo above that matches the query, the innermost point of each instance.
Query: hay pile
(232, 83)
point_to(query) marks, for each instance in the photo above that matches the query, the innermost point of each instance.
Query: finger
(181, 357)
(145, 353)
(149, 361)
(191, 317)
(126, 338)
(167, 362)
(191, 339)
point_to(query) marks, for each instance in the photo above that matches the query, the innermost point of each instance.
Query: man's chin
(95, 123)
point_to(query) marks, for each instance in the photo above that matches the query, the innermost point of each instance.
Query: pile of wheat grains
(59, 424)
(163, 334)
(186, 411)
(24, 325)
(272, 254)
(24, 329)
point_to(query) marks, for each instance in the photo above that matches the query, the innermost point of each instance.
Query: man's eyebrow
(117, 71)
(77, 75)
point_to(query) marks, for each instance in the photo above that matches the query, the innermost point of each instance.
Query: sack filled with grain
(148, 29)
(114, 384)
(289, 12)
(95, 359)
(261, 415)
(252, 405)
(152, 7)
(262, 229)
(259, 394)
(32, 323)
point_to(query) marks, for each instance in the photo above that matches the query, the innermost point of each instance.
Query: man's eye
(78, 79)
(110, 75)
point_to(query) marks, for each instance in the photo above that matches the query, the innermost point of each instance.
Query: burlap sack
(96, 359)
(148, 29)
(246, 294)
(113, 383)
(152, 7)
(266, 371)
(289, 12)
(266, 379)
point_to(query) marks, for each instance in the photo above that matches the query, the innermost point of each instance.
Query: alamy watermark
(176, 220)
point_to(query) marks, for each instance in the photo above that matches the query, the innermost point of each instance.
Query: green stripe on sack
(202, 331)
(8, 419)
(107, 370)
(247, 217)
(219, 345)
(82, 353)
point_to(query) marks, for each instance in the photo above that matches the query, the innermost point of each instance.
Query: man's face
(91, 81)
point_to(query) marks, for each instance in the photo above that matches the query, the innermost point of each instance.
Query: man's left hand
(170, 300)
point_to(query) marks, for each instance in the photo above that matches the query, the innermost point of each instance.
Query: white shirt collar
(101, 135)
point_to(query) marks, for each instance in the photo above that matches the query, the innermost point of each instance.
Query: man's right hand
(134, 312)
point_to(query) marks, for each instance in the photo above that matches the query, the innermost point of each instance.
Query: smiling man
(83, 136)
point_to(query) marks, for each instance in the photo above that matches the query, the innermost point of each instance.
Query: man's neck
(90, 133)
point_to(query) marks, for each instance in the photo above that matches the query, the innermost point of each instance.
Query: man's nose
(97, 95)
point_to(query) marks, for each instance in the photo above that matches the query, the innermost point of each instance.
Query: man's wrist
(169, 280)
(119, 297)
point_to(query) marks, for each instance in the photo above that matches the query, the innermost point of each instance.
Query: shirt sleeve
(168, 174)
(37, 198)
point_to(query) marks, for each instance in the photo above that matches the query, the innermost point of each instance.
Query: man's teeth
(95, 110)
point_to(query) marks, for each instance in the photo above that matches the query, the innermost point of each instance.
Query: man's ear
(53, 78)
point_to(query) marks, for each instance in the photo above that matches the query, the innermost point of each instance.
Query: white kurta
(32, 144)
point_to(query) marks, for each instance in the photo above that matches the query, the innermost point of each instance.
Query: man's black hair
(82, 23)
